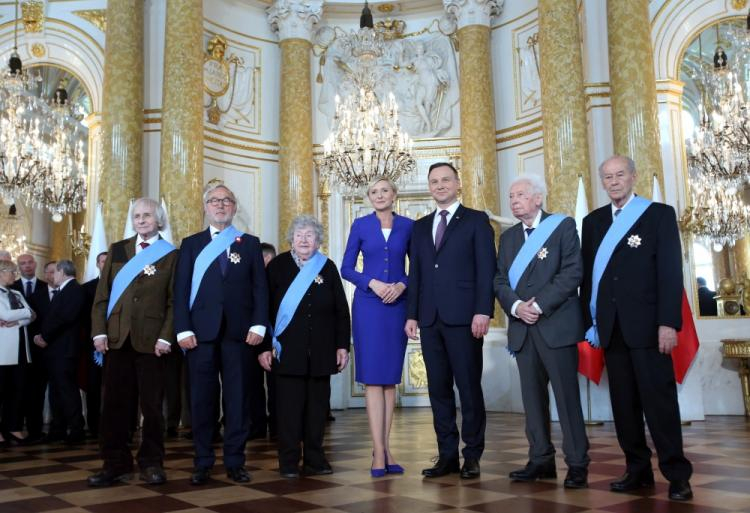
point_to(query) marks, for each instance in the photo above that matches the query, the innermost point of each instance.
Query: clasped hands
(388, 292)
(527, 312)
(8, 324)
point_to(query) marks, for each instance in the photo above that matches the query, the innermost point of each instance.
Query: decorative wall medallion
(38, 50)
(739, 4)
(97, 17)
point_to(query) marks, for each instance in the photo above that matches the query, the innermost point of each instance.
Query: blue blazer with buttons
(383, 260)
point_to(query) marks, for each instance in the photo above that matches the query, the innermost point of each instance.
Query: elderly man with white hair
(539, 270)
(132, 324)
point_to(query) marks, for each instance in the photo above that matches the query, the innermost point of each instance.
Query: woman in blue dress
(379, 312)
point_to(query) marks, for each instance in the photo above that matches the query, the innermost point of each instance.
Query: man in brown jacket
(131, 322)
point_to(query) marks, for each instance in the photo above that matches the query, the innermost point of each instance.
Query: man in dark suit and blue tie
(632, 303)
(450, 301)
(539, 269)
(220, 312)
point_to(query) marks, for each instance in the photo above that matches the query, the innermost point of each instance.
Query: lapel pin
(634, 241)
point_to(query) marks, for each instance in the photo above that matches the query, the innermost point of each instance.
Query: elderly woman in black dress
(308, 341)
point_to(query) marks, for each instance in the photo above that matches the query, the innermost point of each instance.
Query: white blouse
(9, 335)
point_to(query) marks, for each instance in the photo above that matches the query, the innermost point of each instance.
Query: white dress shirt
(258, 329)
(534, 225)
(614, 208)
(451, 211)
(24, 281)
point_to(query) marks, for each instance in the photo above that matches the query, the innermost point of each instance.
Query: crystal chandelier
(366, 140)
(719, 151)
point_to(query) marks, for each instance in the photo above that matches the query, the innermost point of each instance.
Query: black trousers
(64, 397)
(641, 382)
(257, 399)
(12, 379)
(173, 387)
(93, 395)
(451, 353)
(128, 374)
(302, 403)
(35, 391)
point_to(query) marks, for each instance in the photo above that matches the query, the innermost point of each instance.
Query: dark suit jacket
(641, 286)
(241, 297)
(706, 302)
(61, 327)
(553, 281)
(320, 324)
(454, 283)
(144, 311)
(39, 302)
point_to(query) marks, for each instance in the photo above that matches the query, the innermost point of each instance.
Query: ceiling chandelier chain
(366, 140)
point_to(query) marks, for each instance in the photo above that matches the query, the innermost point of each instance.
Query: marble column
(294, 21)
(479, 188)
(181, 178)
(566, 149)
(633, 87)
(122, 113)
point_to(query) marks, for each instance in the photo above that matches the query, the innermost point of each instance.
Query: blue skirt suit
(377, 328)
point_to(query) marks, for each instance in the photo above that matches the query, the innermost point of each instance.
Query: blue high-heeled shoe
(393, 469)
(377, 472)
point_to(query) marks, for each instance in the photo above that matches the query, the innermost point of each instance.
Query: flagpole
(590, 422)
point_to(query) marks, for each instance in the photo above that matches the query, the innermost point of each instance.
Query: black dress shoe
(576, 478)
(107, 478)
(14, 440)
(51, 438)
(188, 435)
(200, 475)
(680, 491)
(324, 470)
(470, 470)
(442, 468)
(532, 472)
(289, 474)
(75, 439)
(172, 432)
(153, 476)
(238, 475)
(629, 482)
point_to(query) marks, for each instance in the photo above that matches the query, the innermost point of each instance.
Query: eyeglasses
(8, 271)
(215, 202)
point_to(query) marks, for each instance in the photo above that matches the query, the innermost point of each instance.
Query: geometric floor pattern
(52, 478)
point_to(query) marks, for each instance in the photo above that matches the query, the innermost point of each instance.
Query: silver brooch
(542, 254)
(234, 257)
(634, 241)
(318, 280)
(149, 270)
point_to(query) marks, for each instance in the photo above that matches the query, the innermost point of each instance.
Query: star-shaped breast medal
(234, 258)
(542, 254)
(318, 280)
(634, 241)
(149, 270)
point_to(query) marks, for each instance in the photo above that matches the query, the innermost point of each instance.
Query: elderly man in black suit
(59, 337)
(450, 300)
(539, 269)
(632, 301)
(36, 293)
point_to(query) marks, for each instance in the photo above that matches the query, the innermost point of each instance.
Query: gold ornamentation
(38, 50)
(542, 254)
(386, 8)
(634, 241)
(234, 257)
(319, 280)
(97, 17)
(417, 370)
(391, 29)
(739, 4)
(740, 349)
(32, 13)
(149, 270)
(216, 76)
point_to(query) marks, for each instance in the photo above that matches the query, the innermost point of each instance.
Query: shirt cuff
(183, 335)
(513, 308)
(259, 330)
(537, 308)
(165, 342)
(99, 336)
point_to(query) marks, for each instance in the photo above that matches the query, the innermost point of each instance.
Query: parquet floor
(52, 478)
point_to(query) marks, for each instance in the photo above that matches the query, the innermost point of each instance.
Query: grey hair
(8, 265)
(5, 255)
(629, 163)
(212, 186)
(161, 216)
(67, 267)
(537, 184)
(305, 221)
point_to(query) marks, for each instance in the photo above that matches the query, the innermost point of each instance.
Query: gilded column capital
(473, 12)
(294, 19)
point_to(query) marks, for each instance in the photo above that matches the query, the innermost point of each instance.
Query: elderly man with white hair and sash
(632, 298)
(131, 322)
(221, 312)
(539, 270)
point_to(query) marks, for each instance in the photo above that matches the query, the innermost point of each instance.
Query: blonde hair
(374, 181)
(8, 265)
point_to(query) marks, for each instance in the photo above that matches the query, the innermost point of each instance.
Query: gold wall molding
(504, 148)
(97, 17)
(52, 21)
(221, 161)
(513, 20)
(518, 126)
(237, 146)
(519, 135)
(248, 36)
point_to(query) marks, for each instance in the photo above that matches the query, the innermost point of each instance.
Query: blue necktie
(528, 232)
(28, 289)
(223, 260)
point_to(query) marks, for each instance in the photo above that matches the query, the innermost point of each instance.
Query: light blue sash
(294, 295)
(220, 243)
(620, 226)
(133, 268)
(531, 247)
